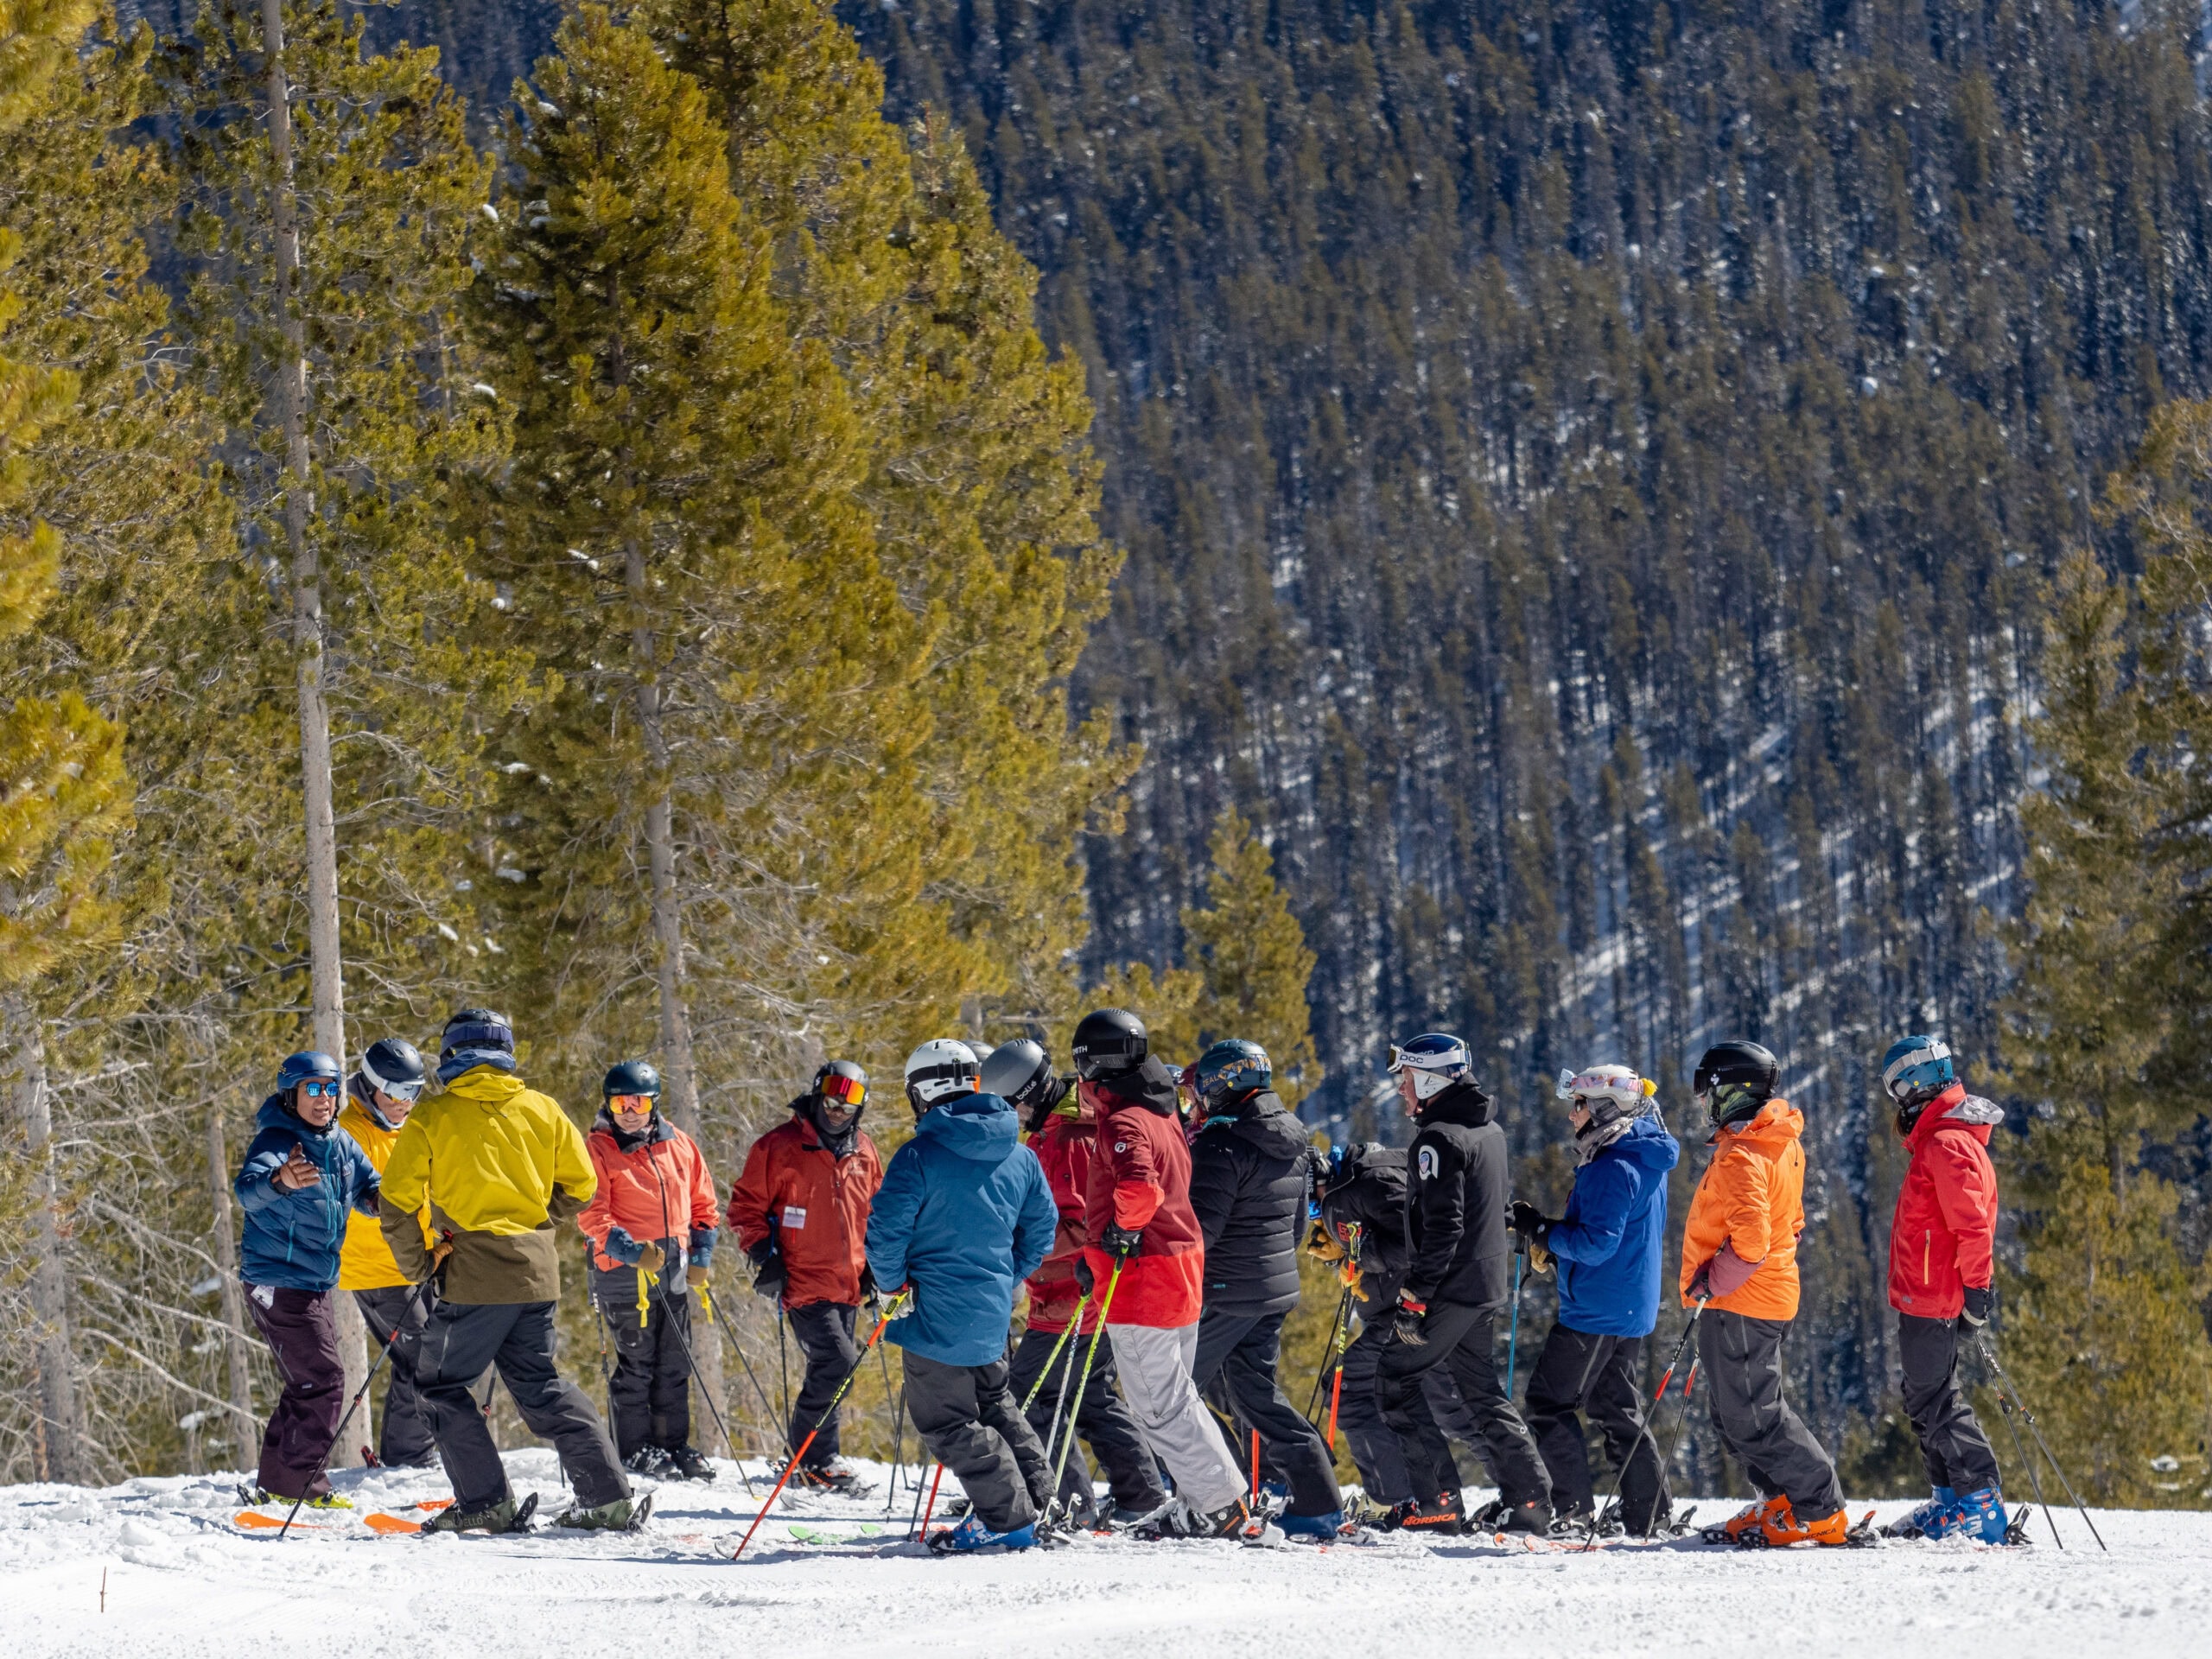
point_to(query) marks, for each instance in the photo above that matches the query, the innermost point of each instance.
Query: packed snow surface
(181, 1578)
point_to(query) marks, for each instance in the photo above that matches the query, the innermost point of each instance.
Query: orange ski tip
(390, 1523)
(254, 1520)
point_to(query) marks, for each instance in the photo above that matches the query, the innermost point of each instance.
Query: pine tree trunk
(62, 1427)
(245, 1430)
(326, 969)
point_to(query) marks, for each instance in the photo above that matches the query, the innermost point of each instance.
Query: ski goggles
(624, 1104)
(1434, 1053)
(843, 1090)
(321, 1088)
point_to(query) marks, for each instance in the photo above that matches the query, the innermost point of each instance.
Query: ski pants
(303, 1340)
(1578, 1371)
(1461, 1339)
(1743, 1357)
(1243, 1350)
(1957, 1453)
(649, 1396)
(396, 1314)
(824, 1331)
(968, 1417)
(1374, 1447)
(459, 1340)
(1100, 1418)
(1155, 1366)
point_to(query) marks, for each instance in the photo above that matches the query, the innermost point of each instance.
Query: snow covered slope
(183, 1579)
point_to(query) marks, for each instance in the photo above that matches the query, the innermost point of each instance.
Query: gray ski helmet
(1020, 1072)
(393, 1066)
(476, 1029)
(1108, 1043)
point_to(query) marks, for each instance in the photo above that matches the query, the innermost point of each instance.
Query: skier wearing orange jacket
(1740, 1260)
(651, 1219)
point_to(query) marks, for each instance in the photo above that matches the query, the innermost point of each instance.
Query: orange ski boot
(1748, 1525)
(1779, 1526)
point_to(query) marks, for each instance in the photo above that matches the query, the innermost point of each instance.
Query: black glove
(1405, 1322)
(1981, 1302)
(1120, 1242)
(1524, 1218)
(1083, 1277)
(869, 1294)
(769, 1279)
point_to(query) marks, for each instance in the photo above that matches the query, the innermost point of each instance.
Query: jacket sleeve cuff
(700, 1248)
(619, 1245)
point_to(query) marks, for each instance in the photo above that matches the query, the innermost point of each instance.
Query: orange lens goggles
(849, 1091)
(629, 1102)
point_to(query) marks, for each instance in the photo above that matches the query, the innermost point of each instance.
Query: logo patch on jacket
(1429, 1163)
(1120, 1146)
(794, 1216)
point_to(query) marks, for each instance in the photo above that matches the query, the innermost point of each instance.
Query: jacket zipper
(1925, 1234)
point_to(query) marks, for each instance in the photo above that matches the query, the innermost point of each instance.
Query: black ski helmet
(1735, 1079)
(1020, 1073)
(631, 1077)
(1108, 1043)
(483, 1029)
(393, 1066)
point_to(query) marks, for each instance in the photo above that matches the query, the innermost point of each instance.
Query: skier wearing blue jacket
(1608, 1247)
(964, 1216)
(299, 1181)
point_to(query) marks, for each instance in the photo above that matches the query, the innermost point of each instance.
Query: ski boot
(1744, 1526)
(972, 1535)
(650, 1461)
(1775, 1525)
(688, 1463)
(1441, 1515)
(1533, 1517)
(1123, 1517)
(835, 1477)
(1978, 1515)
(623, 1515)
(506, 1516)
(1916, 1524)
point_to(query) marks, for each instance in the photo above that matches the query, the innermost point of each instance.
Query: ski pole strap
(707, 1301)
(645, 1283)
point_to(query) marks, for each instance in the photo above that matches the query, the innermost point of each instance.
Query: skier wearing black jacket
(1361, 1192)
(1455, 1284)
(1249, 1167)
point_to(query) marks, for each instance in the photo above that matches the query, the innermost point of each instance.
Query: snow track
(182, 1581)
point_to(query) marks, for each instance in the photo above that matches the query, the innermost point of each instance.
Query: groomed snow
(182, 1580)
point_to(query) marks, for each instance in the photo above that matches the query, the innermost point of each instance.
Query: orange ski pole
(1335, 1398)
(930, 1508)
(890, 1312)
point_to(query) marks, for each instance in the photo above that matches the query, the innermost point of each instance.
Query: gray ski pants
(1155, 1367)
(1743, 1358)
(969, 1418)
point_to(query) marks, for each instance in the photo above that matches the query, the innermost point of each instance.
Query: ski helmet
(477, 1029)
(1436, 1061)
(942, 1067)
(1230, 1067)
(843, 1082)
(1020, 1073)
(1914, 1070)
(393, 1067)
(1735, 1079)
(310, 1064)
(631, 1077)
(1609, 1093)
(1109, 1042)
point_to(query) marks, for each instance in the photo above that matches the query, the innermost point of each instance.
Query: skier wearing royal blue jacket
(1608, 1247)
(964, 1216)
(297, 1186)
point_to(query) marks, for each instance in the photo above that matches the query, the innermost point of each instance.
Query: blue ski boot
(1922, 1521)
(1976, 1514)
(1321, 1528)
(971, 1533)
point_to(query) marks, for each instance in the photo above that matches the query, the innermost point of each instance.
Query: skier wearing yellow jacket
(499, 1165)
(379, 1097)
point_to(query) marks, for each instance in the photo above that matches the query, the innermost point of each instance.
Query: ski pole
(691, 1364)
(1513, 1325)
(354, 1405)
(1658, 1397)
(1053, 1358)
(1989, 1358)
(937, 1475)
(1335, 1350)
(1060, 1400)
(897, 1406)
(784, 1358)
(890, 1312)
(1336, 1398)
(1105, 1307)
(914, 1520)
(767, 1405)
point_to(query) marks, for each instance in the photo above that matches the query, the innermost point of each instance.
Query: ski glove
(1405, 1321)
(769, 1280)
(694, 1277)
(650, 1257)
(1981, 1302)
(1120, 1242)
(869, 1294)
(1531, 1224)
(1083, 1279)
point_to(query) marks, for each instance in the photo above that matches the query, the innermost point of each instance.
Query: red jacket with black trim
(1140, 1177)
(1066, 1147)
(815, 1205)
(1943, 1234)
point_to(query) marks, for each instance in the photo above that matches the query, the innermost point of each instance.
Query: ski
(803, 1535)
(254, 1520)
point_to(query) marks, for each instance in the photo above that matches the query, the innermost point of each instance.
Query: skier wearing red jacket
(1942, 1241)
(1063, 1134)
(1145, 1251)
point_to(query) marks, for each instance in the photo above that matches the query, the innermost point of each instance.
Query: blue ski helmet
(1914, 1070)
(1230, 1067)
(308, 1062)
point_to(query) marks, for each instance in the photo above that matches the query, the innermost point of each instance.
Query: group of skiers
(1154, 1217)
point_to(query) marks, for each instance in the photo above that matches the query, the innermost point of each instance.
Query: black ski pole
(1333, 1352)
(354, 1405)
(1658, 1398)
(767, 1404)
(784, 1359)
(1989, 1358)
(691, 1364)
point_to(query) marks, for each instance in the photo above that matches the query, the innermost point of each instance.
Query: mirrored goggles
(845, 1092)
(624, 1104)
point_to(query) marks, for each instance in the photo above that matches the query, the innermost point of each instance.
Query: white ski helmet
(940, 1068)
(1437, 1060)
(1609, 1092)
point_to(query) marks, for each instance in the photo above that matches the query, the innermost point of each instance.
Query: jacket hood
(983, 1128)
(1773, 1124)
(1262, 1122)
(486, 1085)
(658, 1129)
(1151, 1086)
(1463, 1102)
(277, 1113)
(1954, 1109)
(1648, 1145)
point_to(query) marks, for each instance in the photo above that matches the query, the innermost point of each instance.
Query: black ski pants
(824, 1331)
(968, 1417)
(1374, 1446)
(459, 1340)
(1240, 1351)
(303, 1340)
(1743, 1358)
(649, 1396)
(1462, 1340)
(1580, 1372)
(1101, 1418)
(1957, 1453)
(404, 1439)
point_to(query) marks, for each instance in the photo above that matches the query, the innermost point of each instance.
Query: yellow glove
(694, 1277)
(651, 1258)
(1348, 1276)
(1539, 1260)
(1322, 1244)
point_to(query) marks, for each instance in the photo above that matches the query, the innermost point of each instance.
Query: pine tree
(1252, 955)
